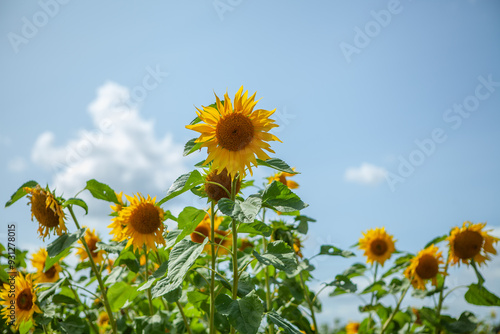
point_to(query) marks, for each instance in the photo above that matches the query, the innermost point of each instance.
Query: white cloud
(120, 150)
(17, 164)
(366, 174)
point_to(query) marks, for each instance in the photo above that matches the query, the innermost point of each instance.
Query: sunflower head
(352, 327)
(235, 135)
(103, 322)
(142, 223)
(425, 266)
(221, 237)
(24, 299)
(378, 245)
(282, 177)
(218, 185)
(470, 242)
(91, 238)
(116, 223)
(47, 210)
(44, 276)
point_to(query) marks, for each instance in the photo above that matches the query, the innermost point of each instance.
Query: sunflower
(297, 246)
(92, 239)
(352, 327)
(116, 225)
(103, 322)
(424, 267)
(19, 305)
(282, 177)
(47, 210)
(202, 231)
(142, 223)
(471, 242)
(234, 137)
(214, 191)
(44, 276)
(378, 245)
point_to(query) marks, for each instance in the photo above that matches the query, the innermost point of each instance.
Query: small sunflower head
(222, 239)
(470, 242)
(47, 210)
(142, 223)
(218, 185)
(91, 238)
(282, 177)
(424, 267)
(24, 298)
(378, 245)
(352, 327)
(44, 276)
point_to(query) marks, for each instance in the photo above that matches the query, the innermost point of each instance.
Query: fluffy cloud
(120, 150)
(366, 174)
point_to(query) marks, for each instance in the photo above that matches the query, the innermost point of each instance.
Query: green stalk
(97, 274)
(84, 309)
(396, 310)
(235, 246)
(184, 317)
(266, 272)
(309, 302)
(441, 298)
(212, 277)
(150, 299)
(373, 296)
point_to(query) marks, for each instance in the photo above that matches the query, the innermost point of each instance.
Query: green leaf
(466, 323)
(171, 238)
(400, 263)
(101, 191)
(119, 293)
(20, 193)
(191, 146)
(343, 285)
(334, 251)
(183, 183)
(50, 261)
(281, 322)
(277, 196)
(25, 327)
(63, 242)
(76, 201)
(245, 314)
(129, 259)
(436, 240)
(245, 284)
(160, 272)
(188, 220)
(357, 269)
(280, 255)
(63, 299)
(479, 295)
(52, 287)
(112, 247)
(182, 257)
(304, 221)
(256, 228)
(429, 315)
(241, 211)
(277, 164)
(117, 274)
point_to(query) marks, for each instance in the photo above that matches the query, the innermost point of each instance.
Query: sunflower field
(235, 265)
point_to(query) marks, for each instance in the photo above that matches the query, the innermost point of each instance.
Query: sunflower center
(25, 300)
(216, 192)
(378, 247)
(43, 214)
(51, 272)
(468, 244)
(92, 246)
(427, 267)
(234, 132)
(145, 218)
(202, 229)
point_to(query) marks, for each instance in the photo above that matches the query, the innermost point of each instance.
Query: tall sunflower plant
(235, 265)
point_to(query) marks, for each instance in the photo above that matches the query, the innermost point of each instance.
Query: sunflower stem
(150, 299)
(309, 301)
(85, 308)
(235, 246)
(441, 298)
(396, 310)
(266, 272)
(213, 258)
(373, 296)
(97, 273)
(184, 317)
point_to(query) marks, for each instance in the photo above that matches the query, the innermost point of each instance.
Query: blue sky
(364, 91)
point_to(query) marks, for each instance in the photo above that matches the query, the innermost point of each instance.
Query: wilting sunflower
(116, 223)
(42, 275)
(92, 239)
(213, 182)
(471, 242)
(142, 223)
(47, 211)
(352, 328)
(24, 299)
(223, 238)
(234, 137)
(282, 177)
(378, 245)
(425, 266)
